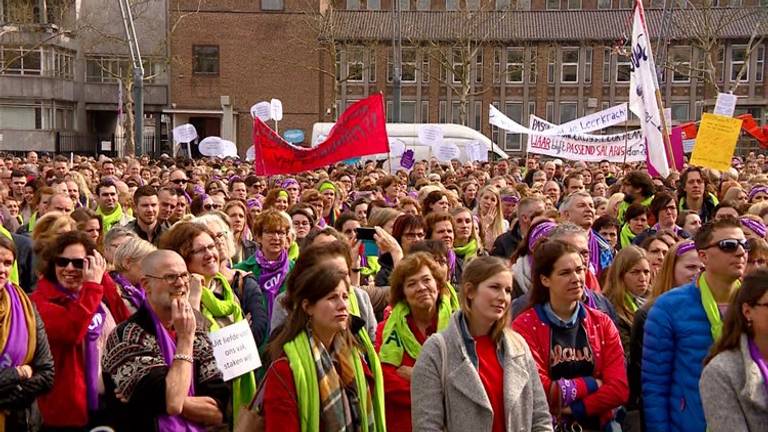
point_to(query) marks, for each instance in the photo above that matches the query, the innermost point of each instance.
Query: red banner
(360, 131)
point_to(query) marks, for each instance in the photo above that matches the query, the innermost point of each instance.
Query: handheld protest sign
(211, 146)
(276, 109)
(262, 111)
(430, 134)
(185, 133)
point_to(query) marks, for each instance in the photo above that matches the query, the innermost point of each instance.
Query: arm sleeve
(542, 419)
(721, 401)
(657, 366)
(525, 328)
(615, 389)
(280, 408)
(636, 356)
(67, 324)
(253, 305)
(427, 413)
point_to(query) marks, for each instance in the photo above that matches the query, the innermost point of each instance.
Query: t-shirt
(570, 355)
(492, 377)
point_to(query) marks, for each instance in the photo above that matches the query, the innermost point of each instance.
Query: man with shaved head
(159, 370)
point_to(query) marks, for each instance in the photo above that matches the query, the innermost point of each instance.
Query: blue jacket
(677, 338)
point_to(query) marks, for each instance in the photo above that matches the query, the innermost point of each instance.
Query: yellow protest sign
(716, 141)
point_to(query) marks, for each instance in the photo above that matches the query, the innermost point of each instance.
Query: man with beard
(528, 209)
(145, 207)
(109, 208)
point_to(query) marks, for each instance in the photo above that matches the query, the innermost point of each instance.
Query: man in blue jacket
(682, 326)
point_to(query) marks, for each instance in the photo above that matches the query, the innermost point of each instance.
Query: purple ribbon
(685, 247)
(135, 295)
(168, 350)
(567, 391)
(287, 182)
(510, 199)
(451, 263)
(756, 226)
(15, 349)
(253, 202)
(272, 275)
(536, 234)
(756, 190)
(754, 352)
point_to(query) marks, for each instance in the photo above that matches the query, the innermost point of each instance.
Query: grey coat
(463, 404)
(733, 392)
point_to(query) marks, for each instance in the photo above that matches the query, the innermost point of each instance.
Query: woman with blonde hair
(50, 226)
(127, 271)
(489, 210)
(466, 243)
(90, 222)
(477, 374)
(614, 201)
(627, 288)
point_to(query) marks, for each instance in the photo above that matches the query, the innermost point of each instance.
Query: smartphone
(365, 234)
(370, 248)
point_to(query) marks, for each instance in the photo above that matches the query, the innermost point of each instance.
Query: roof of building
(533, 26)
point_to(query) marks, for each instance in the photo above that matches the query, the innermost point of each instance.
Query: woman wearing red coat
(577, 349)
(80, 306)
(419, 309)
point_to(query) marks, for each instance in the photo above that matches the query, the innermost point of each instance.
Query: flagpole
(665, 132)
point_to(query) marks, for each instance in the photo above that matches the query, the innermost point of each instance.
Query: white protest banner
(498, 119)
(396, 147)
(211, 146)
(589, 123)
(185, 133)
(262, 111)
(588, 148)
(445, 152)
(235, 350)
(250, 154)
(726, 104)
(276, 109)
(476, 151)
(430, 134)
(229, 148)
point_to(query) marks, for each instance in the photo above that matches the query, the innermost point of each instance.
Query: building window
(679, 112)
(606, 65)
(451, 5)
(424, 112)
(355, 64)
(623, 69)
(494, 130)
(473, 4)
(603, 4)
(478, 108)
(21, 61)
(372, 65)
(409, 65)
(550, 112)
(568, 111)
(503, 5)
(458, 67)
(515, 65)
(588, 65)
(424, 67)
(551, 66)
(205, 59)
(374, 4)
(512, 142)
(405, 5)
(626, 4)
(569, 68)
(553, 4)
(680, 61)
(408, 112)
(19, 117)
(479, 66)
(271, 5)
(574, 4)
(456, 113)
(531, 109)
(353, 5)
(423, 5)
(442, 112)
(739, 59)
(760, 64)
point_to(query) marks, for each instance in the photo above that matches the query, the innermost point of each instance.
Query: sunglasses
(730, 245)
(179, 181)
(63, 262)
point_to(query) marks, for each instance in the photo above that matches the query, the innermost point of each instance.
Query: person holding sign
(160, 373)
(218, 303)
(320, 379)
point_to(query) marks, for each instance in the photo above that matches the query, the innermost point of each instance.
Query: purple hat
(756, 226)
(756, 190)
(538, 232)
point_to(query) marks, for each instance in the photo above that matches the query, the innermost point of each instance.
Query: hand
(182, 318)
(25, 372)
(599, 383)
(354, 253)
(566, 411)
(488, 218)
(405, 372)
(196, 283)
(385, 241)
(94, 267)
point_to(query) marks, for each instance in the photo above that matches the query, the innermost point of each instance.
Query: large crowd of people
(511, 295)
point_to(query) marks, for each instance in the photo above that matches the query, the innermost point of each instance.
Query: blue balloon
(294, 136)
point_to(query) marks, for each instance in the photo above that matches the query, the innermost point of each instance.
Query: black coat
(25, 261)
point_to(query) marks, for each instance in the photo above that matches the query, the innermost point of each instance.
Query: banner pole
(626, 137)
(665, 132)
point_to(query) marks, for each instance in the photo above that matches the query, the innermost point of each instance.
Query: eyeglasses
(63, 262)
(413, 235)
(179, 181)
(171, 278)
(275, 233)
(730, 245)
(758, 262)
(765, 305)
(208, 206)
(204, 249)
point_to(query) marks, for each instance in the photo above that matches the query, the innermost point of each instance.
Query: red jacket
(66, 323)
(606, 350)
(397, 390)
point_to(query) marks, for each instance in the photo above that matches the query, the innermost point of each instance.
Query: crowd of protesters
(529, 295)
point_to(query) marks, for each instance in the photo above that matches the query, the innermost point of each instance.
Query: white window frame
(520, 65)
(734, 70)
(564, 64)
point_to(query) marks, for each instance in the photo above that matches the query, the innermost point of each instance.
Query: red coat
(397, 390)
(66, 323)
(606, 350)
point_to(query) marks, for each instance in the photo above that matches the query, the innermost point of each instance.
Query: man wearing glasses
(160, 373)
(683, 324)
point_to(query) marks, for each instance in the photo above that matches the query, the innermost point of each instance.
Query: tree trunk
(129, 148)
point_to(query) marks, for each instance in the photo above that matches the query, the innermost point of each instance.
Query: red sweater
(492, 377)
(606, 350)
(397, 390)
(66, 323)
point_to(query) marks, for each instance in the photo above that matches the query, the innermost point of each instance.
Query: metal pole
(138, 109)
(396, 62)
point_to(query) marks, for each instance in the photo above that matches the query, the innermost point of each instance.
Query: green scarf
(293, 252)
(468, 251)
(630, 301)
(109, 220)
(32, 221)
(710, 307)
(300, 357)
(373, 267)
(14, 275)
(455, 305)
(623, 206)
(244, 386)
(626, 236)
(398, 337)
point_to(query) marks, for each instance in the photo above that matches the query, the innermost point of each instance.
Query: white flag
(643, 86)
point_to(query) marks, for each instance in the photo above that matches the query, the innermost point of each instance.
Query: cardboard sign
(726, 104)
(408, 159)
(430, 134)
(185, 133)
(276, 109)
(476, 151)
(235, 350)
(716, 141)
(262, 111)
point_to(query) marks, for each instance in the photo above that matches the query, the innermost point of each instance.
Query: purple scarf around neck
(451, 263)
(15, 349)
(272, 275)
(167, 347)
(135, 295)
(754, 352)
(91, 349)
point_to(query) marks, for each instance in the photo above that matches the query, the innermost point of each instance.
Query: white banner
(589, 123)
(588, 148)
(235, 350)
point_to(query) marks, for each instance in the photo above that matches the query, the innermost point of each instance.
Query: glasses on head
(179, 181)
(63, 262)
(204, 249)
(171, 278)
(730, 245)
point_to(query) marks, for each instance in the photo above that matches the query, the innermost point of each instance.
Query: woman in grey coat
(734, 383)
(477, 374)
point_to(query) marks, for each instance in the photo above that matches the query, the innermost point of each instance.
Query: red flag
(360, 131)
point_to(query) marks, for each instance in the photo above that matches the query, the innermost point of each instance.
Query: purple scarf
(135, 295)
(451, 263)
(594, 251)
(760, 361)
(272, 275)
(15, 350)
(167, 347)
